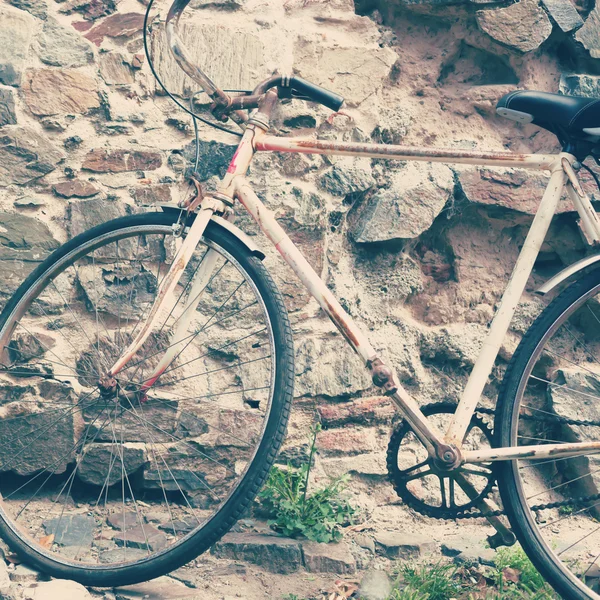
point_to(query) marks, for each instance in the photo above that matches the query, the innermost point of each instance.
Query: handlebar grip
(316, 93)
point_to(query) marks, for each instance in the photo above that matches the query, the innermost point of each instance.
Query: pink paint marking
(232, 165)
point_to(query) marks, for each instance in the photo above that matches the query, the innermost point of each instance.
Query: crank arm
(503, 536)
(163, 301)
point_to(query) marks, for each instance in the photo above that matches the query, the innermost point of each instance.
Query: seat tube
(510, 299)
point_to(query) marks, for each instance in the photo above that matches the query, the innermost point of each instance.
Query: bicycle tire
(254, 476)
(522, 519)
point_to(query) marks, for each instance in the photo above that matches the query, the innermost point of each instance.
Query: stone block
(278, 555)
(62, 47)
(59, 91)
(564, 13)
(16, 32)
(376, 409)
(103, 464)
(522, 26)
(589, 35)
(25, 155)
(328, 558)
(416, 196)
(394, 544)
(120, 161)
(241, 57)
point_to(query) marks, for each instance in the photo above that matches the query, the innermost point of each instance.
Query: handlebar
(286, 85)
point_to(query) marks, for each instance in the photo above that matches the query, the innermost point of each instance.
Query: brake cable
(191, 112)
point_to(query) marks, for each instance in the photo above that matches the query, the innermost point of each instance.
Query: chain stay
(549, 505)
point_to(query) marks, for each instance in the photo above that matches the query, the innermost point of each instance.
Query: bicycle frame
(445, 447)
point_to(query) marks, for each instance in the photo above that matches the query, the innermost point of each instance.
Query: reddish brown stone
(152, 194)
(119, 25)
(75, 189)
(118, 161)
(59, 91)
(82, 25)
(137, 61)
(366, 410)
(347, 440)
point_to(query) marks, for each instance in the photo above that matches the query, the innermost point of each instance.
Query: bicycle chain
(476, 514)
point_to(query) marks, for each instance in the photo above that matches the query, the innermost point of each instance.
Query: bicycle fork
(164, 303)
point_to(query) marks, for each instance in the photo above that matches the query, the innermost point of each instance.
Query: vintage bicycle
(148, 367)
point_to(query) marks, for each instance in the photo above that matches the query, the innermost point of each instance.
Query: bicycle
(169, 371)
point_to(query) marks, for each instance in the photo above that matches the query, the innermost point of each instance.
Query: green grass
(427, 582)
(444, 581)
(295, 512)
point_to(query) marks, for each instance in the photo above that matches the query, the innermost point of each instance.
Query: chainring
(448, 507)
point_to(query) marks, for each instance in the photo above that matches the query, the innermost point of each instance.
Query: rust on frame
(395, 152)
(342, 326)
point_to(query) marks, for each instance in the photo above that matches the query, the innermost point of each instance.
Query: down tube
(305, 272)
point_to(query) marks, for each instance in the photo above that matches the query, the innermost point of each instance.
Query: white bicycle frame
(234, 186)
(445, 447)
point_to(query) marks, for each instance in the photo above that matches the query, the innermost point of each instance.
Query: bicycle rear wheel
(551, 394)
(117, 488)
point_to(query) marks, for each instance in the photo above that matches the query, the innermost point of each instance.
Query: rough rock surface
(59, 91)
(62, 47)
(16, 31)
(405, 209)
(523, 25)
(589, 34)
(25, 155)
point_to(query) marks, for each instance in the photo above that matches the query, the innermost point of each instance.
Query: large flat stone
(103, 464)
(407, 545)
(62, 47)
(71, 530)
(278, 555)
(75, 188)
(160, 588)
(523, 26)
(142, 537)
(24, 243)
(119, 161)
(59, 589)
(515, 189)
(589, 34)
(408, 207)
(59, 91)
(376, 409)
(116, 26)
(328, 558)
(16, 31)
(564, 13)
(25, 155)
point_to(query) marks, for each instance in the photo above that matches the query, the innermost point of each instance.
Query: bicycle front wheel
(116, 487)
(551, 394)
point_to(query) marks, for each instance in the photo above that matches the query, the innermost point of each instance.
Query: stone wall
(417, 253)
